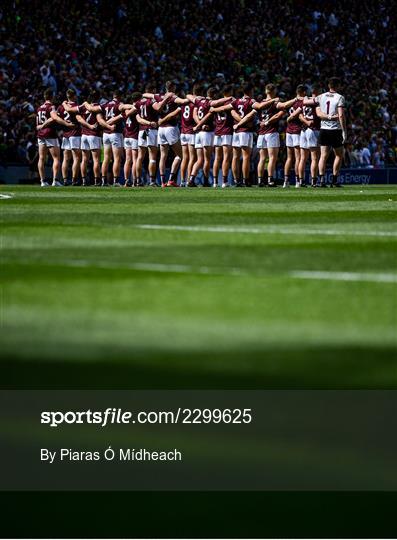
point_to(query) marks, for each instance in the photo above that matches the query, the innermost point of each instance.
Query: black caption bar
(198, 440)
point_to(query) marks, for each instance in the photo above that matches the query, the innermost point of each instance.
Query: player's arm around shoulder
(102, 122)
(286, 104)
(55, 116)
(169, 116)
(265, 103)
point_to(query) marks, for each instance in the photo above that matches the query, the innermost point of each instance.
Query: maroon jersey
(75, 131)
(146, 111)
(224, 123)
(131, 128)
(109, 111)
(90, 118)
(43, 113)
(203, 106)
(187, 120)
(168, 108)
(243, 106)
(295, 126)
(264, 115)
(309, 112)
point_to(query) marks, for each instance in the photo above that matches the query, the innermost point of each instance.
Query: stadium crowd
(105, 45)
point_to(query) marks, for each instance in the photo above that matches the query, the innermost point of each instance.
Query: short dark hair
(334, 82)
(211, 92)
(136, 96)
(248, 88)
(197, 89)
(116, 93)
(270, 88)
(150, 87)
(301, 89)
(228, 89)
(48, 94)
(70, 93)
(170, 84)
(316, 88)
(93, 97)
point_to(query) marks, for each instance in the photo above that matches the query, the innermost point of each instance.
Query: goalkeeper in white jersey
(331, 110)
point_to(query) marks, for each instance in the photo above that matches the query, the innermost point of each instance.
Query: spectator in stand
(121, 45)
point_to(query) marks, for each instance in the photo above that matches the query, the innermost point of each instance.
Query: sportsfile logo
(119, 416)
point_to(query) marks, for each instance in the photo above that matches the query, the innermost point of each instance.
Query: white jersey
(329, 104)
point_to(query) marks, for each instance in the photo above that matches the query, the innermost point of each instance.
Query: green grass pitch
(199, 288)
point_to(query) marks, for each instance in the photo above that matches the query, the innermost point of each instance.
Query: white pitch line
(156, 267)
(230, 271)
(345, 276)
(6, 196)
(268, 230)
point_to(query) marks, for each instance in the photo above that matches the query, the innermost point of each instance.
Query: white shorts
(292, 139)
(244, 138)
(168, 135)
(223, 140)
(130, 143)
(113, 139)
(309, 138)
(91, 142)
(204, 138)
(147, 137)
(268, 140)
(48, 142)
(71, 143)
(187, 138)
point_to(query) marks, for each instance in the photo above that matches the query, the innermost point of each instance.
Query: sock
(301, 180)
(74, 180)
(162, 178)
(65, 180)
(260, 180)
(192, 178)
(334, 178)
(153, 179)
(172, 177)
(322, 179)
(205, 178)
(104, 180)
(270, 180)
(245, 180)
(83, 179)
(224, 179)
(286, 179)
(116, 180)
(314, 180)
(97, 180)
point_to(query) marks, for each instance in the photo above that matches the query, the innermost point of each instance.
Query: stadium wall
(20, 175)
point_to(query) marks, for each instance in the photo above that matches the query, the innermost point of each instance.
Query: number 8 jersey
(329, 104)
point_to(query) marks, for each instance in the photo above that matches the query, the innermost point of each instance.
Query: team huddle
(202, 131)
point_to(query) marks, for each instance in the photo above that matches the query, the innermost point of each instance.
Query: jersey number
(109, 113)
(200, 113)
(328, 105)
(41, 117)
(241, 110)
(186, 112)
(143, 111)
